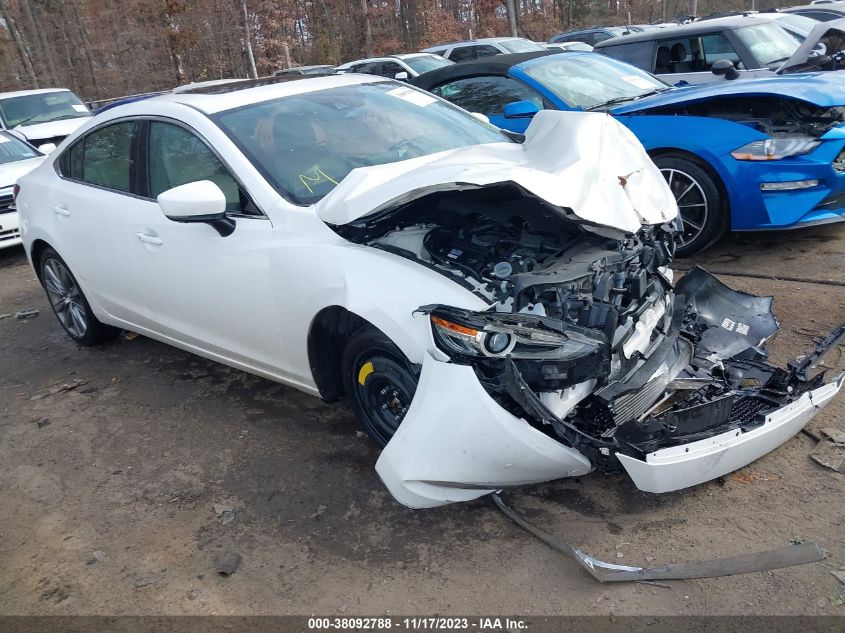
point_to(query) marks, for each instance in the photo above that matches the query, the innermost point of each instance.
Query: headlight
(775, 148)
(498, 335)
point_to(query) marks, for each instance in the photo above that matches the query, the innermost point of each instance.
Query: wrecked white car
(497, 310)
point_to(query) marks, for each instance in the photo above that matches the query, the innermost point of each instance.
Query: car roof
(480, 40)
(838, 7)
(21, 93)
(493, 65)
(410, 55)
(703, 26)
(213, 99)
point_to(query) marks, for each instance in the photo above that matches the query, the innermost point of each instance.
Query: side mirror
(724, 67)
(200, 201)
(520, 110)
(819, 50)
(47, 148)
(403, 76)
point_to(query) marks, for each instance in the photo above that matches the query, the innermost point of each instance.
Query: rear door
(93, 205)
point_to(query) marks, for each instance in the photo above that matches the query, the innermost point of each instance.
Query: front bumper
(753, 209)
(690, 464)
(701, 403)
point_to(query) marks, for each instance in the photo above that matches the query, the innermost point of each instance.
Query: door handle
(149, 239)
(61, 209)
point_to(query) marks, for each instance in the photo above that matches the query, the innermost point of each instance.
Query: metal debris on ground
(144, 582)
(610, 572)
(130, 336)
(830, 451)
(220, 509)
(30, 313)
(68, 386)
(839, 575)
(227, 563)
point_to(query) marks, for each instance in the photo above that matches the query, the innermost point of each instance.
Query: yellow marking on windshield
(319, 176)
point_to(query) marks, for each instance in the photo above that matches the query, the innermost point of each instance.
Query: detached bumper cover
(690, 464)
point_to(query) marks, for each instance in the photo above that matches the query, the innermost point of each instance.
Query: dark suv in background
(756, 46)
(594, 35)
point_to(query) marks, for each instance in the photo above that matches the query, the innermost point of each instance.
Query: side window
(693, 54)
(638, 54)
(487, 95)
(485, 51)
(370, 68)
(177, 157)
(389, 69)
(71, 163)
(107, 157)
(600, 36)
(714, 47)
(463, 53)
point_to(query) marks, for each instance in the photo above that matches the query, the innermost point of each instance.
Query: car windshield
(424, 63)
(13, 149)
(589, 80)
(768, 43)
(307, 143)
(520, 46)
(41, 107)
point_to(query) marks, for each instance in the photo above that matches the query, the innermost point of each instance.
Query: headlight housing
(521, 337)
(775, 148)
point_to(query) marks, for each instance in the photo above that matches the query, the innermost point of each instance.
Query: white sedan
(16, 159)
(497, 310)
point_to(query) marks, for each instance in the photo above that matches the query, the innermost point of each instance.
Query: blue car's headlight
(775, 148)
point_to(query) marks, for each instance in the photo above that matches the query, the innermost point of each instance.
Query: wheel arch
(328, 334)
(35, 251)
(659, 152)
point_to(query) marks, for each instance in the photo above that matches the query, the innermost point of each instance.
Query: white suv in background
(393, 66)
(484, 47)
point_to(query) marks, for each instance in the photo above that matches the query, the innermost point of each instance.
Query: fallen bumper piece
(609, 572)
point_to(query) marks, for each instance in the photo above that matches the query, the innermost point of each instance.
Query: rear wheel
(379, 382)
(69, 303)
(703, 211)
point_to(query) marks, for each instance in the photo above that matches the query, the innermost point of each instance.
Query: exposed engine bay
(771, 115)
(587, 337)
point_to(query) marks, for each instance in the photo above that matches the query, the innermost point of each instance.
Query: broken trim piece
(791, 556)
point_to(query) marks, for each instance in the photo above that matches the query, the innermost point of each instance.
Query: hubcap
(692, 203)
(65, 298)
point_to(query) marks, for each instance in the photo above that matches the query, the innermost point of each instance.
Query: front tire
(379, 382)
(69, 303)
(703, 210)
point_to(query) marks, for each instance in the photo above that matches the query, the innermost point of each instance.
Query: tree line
(109, 48)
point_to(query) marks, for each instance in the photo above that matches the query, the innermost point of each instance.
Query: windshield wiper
(617, 100)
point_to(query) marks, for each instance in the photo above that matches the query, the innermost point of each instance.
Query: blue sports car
(738, 155)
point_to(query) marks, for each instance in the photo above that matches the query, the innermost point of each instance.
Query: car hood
(51, 129)
(586, 166)
(832, 32)
(824, 89)
(10, 172)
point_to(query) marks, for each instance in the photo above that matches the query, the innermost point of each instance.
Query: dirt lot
(129, 464)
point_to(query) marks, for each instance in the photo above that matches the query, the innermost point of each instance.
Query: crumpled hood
(582, 164)
(10, 172)
(833, 34)
(40, 131)
(823, 89)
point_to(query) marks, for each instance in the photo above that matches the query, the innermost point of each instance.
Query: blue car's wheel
(702, 209)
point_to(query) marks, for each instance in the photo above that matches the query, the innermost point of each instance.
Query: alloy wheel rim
(65, 298)
(692, 203)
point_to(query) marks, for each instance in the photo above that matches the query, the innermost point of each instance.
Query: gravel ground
(108, 489)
